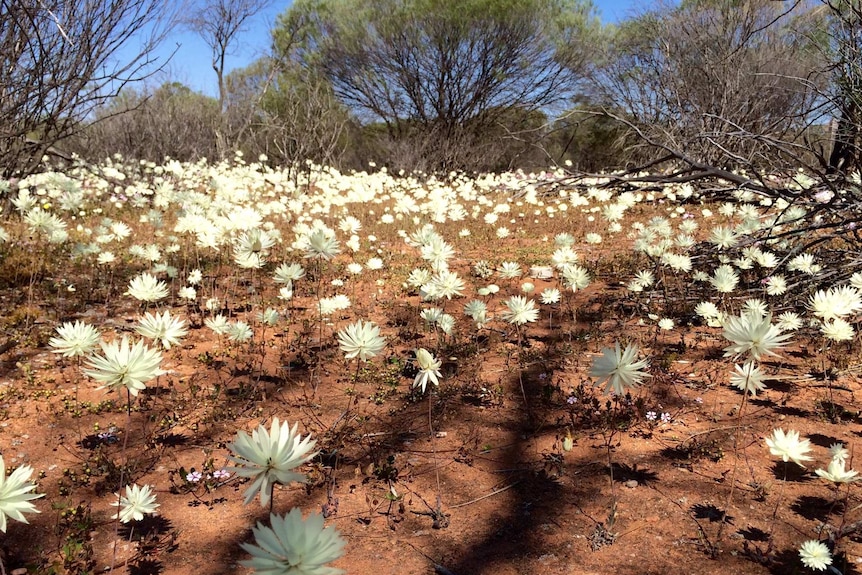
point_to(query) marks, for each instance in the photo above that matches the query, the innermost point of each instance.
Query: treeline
(481, 85)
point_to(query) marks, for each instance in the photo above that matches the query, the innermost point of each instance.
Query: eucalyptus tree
(444, 74)
(219, 23)
(62, 59)
(718, 81)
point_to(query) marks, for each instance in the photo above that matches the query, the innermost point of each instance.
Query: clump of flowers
(835, 471)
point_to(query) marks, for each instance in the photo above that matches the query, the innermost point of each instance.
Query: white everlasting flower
(520, 310)
(121, 230)
(550, 296)
(575, 277)
(239, 331)
(665, 323)
(788, 446)
(748, 378)
(804, 263)
(75, 339)
(269, 457)
(251, 248)
(137, 502)
(288, 273)
(327, 306)
(564, 239)
(219, 324)
(293, 546)
(106, 258)
(163, 328)
(509, 270)
(418, 278)
(374, 264)
(429, 369)
(349, 225)
(835, 302)
(724, 279)
(188, 293)
(563, 256)
(723, 237)
(269, 317)
(321, 244)
(361, 339)
(755, 306)
(16, 493)
(125, 365)
(815, 555)
(838, 451)
(789, 321)
(444, 284)
(699, 276)
(836, 473)
(645, 278)
(431, 315)
(684, 241)
(437, 252)
(446, 323)
(618, 370)
(753, 334)
(195, 277)
(146, 287)
(707, 310)
(478, 311)
(766, 259)
(837, 330)
(776, 285)
(677, 262)
(285, 292)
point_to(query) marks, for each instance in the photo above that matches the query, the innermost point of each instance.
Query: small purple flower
(651, 415)
(107, 436)
(665, 417)
(194, 477)
(221, 475)
(571, 400)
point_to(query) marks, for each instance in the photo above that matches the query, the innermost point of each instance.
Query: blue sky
(192, 61)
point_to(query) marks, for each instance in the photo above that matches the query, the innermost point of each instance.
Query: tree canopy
(452, 68)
